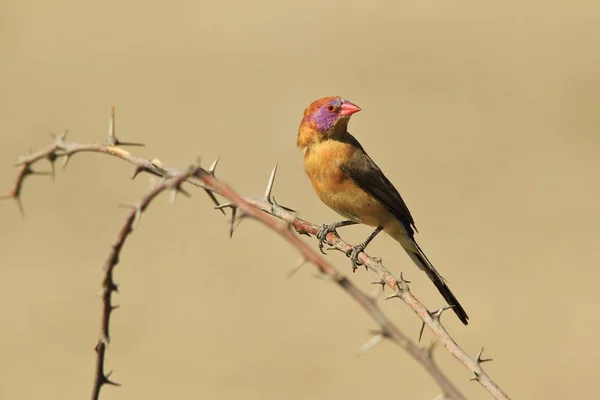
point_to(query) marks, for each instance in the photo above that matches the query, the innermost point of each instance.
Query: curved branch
(388, 329)
(109, 286)
(251, 206)
(401, 290)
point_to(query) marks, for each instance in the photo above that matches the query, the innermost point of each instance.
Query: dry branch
(251, 207)
(108, 284)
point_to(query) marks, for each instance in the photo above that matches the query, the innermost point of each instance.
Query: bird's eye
(330, 108)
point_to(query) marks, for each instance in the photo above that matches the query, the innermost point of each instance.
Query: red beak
(349, 108)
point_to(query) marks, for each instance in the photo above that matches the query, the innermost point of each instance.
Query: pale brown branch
(388, 329)
(252, 207)
(108, 284)
(400, 289)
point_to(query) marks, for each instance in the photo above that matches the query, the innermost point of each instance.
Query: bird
(349, 182)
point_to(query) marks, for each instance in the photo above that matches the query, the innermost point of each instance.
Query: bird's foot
(325, 230)
(353, 254)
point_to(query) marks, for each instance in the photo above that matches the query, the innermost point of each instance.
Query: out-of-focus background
(484, 115)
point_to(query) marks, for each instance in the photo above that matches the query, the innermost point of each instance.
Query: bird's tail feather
(418, 256)
(422, 262)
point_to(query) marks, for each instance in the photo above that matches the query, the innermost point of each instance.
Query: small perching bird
(348, 181)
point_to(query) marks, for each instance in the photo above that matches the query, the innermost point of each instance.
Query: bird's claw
(353, 254)
(325, 230)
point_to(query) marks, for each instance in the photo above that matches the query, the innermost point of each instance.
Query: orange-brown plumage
(348, 181)
(335, 188)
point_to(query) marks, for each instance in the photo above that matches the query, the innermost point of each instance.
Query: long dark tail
(422, 262)
(418, 256)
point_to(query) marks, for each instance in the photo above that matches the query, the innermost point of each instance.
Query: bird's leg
(355, 250)
(327, 228)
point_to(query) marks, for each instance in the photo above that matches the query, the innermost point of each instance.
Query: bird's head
(329, 114)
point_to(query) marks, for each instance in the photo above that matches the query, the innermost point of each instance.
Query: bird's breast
(322, 163)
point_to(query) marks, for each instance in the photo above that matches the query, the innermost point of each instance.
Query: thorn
(479, 359)
(156, 163)
(132, 144)
(66, 161)
(175, 191)
(438, 313)
(226, 205)
(402, 279)
(214, 200)
(112, 138)
(113, 287)
(213, 166)
(397, 294)
(17, 199)
(107, 381)
(299, 264)
(421, 330)
(183, 191)
(51, 159)
(374, 341)
(138, 170)
(27, 170)
(172, 196)
(210, 194)
(20, 205)
(275, 203)
(236, 223)
(194, 169)
(269, 189)
(380, 282)
(401, 283)
(475, 376)
(40, 173)
(232, 227)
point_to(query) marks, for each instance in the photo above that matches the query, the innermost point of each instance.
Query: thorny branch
(108, 284)
(250, 207)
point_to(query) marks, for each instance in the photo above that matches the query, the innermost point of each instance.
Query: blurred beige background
(484, 115)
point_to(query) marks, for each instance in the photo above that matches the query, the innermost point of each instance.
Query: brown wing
(363, 171)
